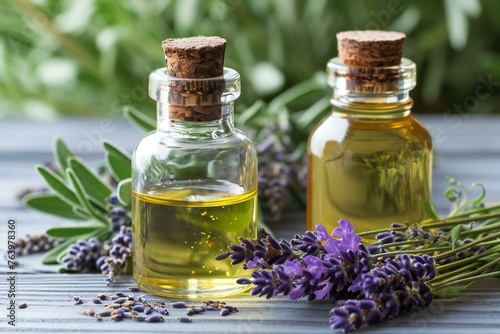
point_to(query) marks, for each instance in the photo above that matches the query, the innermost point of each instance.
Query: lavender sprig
(383, 280)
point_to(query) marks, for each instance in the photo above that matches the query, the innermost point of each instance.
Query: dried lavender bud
(178, 305)
(148, 310)
(105, 313)
(102, 296)
(134, 289)
(189, 312)
(22, 305)
(231, 308)
(117, 317)
(138, 308)
(120, 300)
(224, 311)
(139, 318)
(154, 318)
(97, 300)
(161, 310)
(184, 319)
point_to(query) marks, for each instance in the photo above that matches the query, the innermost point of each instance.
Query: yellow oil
(178, 232)
(371, 172)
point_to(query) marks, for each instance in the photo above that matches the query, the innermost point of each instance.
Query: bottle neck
(195, 108)
(196, 130)
(379, 106)
(372, 92)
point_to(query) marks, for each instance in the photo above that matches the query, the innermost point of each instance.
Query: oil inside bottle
(178, 231)
(371, 173)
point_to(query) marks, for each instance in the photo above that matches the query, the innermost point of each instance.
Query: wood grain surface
(467, 148)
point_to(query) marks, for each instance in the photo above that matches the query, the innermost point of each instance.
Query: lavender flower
(260, 253)
(117, 213)
(385, 305)
(82, 255)
(118, 253)
(353, 314)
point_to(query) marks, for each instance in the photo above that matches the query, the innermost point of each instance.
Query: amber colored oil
(372, 172)
(178, 232)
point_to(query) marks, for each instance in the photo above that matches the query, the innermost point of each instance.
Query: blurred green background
(92, 57)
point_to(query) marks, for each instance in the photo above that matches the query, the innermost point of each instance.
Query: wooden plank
(50, 309)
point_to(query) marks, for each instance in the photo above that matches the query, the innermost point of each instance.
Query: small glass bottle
(194, 180)
(369, 160)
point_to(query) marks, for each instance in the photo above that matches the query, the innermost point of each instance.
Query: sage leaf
(82, 198)
(125, 192)
(455, 234)
(71, 231)
(118, 161)
(57, 184)
(51, 204)
(138, 118)
(61, 154)
(92, 184)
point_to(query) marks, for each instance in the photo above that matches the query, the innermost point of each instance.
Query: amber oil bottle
(194, 178)
(369, 160)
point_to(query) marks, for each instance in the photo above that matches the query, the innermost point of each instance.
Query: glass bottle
(369, 160)
(194, 189)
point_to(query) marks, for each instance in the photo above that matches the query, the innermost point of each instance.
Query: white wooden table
(467, 149)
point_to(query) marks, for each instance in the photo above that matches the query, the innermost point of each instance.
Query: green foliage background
(91, 57)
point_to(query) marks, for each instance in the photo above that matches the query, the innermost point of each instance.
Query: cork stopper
(195, 57)
(373, 57)
(189, 59)
(370, 48)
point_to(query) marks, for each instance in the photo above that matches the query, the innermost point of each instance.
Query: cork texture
(195, 57)
(370, 48)
(191, 58)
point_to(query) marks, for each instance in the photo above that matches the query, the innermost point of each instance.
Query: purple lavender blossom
(353, 314)
(260, 253)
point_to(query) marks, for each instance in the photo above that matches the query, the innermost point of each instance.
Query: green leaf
(455, 235)
(61, 154)
(254, 111)
(138, 118)
(82, 198)
(481, 196)
(314, 113)
(52, 255)
(57, 184)
(71, 231)
(51, 204)
(125, 192)
(119, 162)
(81, 212)
(92, 184)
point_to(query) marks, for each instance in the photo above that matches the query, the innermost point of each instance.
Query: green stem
(402, 228)
(493, 226)
(465, 246)
(468, 274)
(402, 243)
(440, 286)
(457, 271)
(424, 250)
(459, 219)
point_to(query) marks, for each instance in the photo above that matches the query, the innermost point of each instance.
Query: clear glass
(194, 192)
(369, 160)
